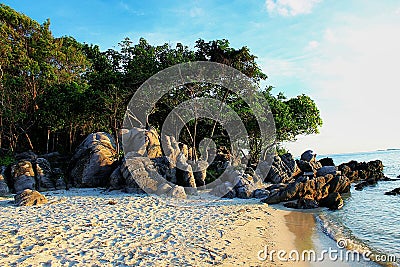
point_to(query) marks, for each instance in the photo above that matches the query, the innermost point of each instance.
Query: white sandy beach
(92, 227)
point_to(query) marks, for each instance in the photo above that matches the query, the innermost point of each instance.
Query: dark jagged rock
(48, 178)
(324, 170)
(305, 166)
(261, 193)
(333, 201)
(307, 155)
(29, 198)
(306, 202)
(326, 162)
(367, 173)
(291, 192)
(276, 186)
(282, 169)
(116, 179)
(394, 192)
(361, 185)
(306, 191)
(289, 162)
(245, 187)
(340, 184)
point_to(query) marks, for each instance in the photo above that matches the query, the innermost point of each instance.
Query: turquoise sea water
(369, 220)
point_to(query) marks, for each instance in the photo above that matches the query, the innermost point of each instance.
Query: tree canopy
(54, 91)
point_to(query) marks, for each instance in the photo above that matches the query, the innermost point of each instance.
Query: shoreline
(92, 226)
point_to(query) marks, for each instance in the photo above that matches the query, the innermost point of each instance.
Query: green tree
(32, 61)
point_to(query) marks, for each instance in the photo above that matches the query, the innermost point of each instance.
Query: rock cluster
(233, 183)
(30, 172)
(311, 193)
(313, 183)
(145, 167)
(365, 173)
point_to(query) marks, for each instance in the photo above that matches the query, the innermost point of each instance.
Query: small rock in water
(394, 192)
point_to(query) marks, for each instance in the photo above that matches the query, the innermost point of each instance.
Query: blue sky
(344, 54)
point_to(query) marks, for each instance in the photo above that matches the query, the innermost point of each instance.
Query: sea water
(369, 220)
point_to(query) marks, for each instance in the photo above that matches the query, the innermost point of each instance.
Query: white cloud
(196, 12)
(329, 35)
(313, 44)
(356, 86)
(290, 7)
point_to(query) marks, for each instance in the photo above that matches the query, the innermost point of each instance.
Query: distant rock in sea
(394, 192)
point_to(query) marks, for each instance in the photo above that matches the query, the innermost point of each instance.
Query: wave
(345, 239)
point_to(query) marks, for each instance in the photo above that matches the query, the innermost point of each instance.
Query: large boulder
(93, 161)
(245, 186)
(307, 155)
(142, 142)
(23, 176)
(141, 173)
(29, 198)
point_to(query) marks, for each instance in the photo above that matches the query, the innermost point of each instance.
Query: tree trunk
(70, 137)
(48, 140)
(29, 140)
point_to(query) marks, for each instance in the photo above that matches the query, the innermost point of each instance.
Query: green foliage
(32, 62)
(7, 159)
(54, 91)
(293, 117)
(281, 150)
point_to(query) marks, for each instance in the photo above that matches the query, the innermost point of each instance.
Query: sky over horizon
(344, 54)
